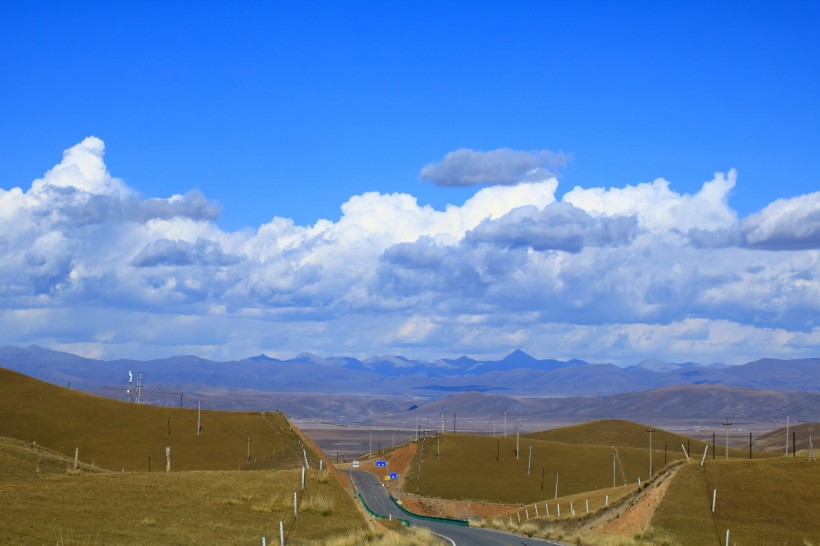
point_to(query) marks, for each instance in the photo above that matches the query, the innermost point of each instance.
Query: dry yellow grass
(118, 435)
(620, 433)
(44, 500)
(405, 537)
(772, 501)
(174, 508)
(24, 459)
(468, 469)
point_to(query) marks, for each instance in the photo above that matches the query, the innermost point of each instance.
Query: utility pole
(248, 457)
(650, 431)
(517, 434)
(198, 417)
(180, 399)
(787, 435)
(454, 422)
(613, 466)
(442, 422)
(556, 485)
(529, 461)
(727, 424)
(505, 424)
(371, 439)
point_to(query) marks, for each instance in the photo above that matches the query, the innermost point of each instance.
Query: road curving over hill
(379, 501)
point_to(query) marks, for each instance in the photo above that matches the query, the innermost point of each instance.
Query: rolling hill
(120, 435)
(204, 499)
(775, 440)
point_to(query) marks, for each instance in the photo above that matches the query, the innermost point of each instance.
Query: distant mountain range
(517, 374)
(397, 388)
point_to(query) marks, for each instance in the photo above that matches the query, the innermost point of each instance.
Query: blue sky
(291, 111)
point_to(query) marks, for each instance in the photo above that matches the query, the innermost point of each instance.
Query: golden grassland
(203, 500)
(772, 501)
(485, 468)
(616, 432)
(199, 507)
(120, 435)
(206, 500)
(595, 500)
(23, 459)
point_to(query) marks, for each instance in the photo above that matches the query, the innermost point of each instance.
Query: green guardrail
(375, 515)
(460, 522)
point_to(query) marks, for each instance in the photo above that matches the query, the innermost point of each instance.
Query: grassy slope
(119, 435)
(468, 469)
(772, 501)
(41, 502)
(175, 508)
(620, 433)
(22, 459)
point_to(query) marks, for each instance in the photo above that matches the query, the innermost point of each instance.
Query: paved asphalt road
(377, 498)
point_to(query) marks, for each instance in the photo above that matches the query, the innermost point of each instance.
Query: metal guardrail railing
(460, 522)
(375, 515)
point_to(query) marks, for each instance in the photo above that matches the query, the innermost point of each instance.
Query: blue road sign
(394, 476)
(381, 463)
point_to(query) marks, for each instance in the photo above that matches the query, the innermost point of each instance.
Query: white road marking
(453, 542)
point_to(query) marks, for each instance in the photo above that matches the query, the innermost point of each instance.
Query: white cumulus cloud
(604, 274)
(466, 167)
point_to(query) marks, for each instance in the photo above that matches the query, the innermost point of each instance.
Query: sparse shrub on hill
(413, 536)
(318, 504)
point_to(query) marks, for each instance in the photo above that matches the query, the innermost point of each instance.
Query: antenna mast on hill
(139, 386)
(130, 380)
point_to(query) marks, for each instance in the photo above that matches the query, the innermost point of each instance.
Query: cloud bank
(465, 167)
(606, 274)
